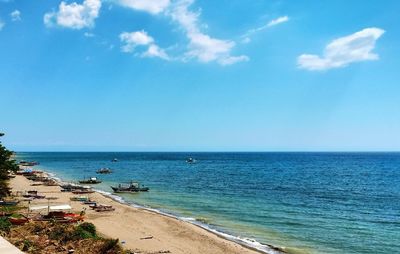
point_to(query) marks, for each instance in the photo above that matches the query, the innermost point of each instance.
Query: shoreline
(202, 238)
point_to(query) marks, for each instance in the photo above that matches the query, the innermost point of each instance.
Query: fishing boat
(62, 217)
(190, 160)
(72, 187)
(58, 213)
(129, 188)
(83, 191)
(91, 180)
(104, 171)
(102, 208)
(80, 198)
(18, 221)
(28, 163)
(8, 203)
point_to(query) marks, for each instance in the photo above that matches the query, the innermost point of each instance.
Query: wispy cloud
(277, 21)
(2, 24)
(151, 6)
(274, 22)
(87, 34)
(341, 52)
(74, 15)
(132, 40)
(15, 15)
(201, 46)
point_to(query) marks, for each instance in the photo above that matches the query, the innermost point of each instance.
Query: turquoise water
(305, 202)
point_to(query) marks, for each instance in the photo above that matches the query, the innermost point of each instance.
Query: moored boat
(104, 171)
(18, 221)
(190, 160)
(8, 203)
(83, 191)
(128, 188)
(91, 180)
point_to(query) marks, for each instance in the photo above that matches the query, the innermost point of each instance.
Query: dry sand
(142, 231)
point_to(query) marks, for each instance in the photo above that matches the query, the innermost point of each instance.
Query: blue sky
(197, 75)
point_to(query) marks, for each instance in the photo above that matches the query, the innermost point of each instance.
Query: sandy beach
(140, 230)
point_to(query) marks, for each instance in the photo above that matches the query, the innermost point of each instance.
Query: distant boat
(92, 180)
(114, 160)
(129, 188)
(28, 163)
(190, 160)
(104, 171)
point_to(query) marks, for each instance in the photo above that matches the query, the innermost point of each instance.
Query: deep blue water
(306, 202)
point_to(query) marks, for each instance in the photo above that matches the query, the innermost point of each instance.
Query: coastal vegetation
(7, 165)
(47, 237)
(53, 237)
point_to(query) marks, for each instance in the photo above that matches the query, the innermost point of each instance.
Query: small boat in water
(114, 160)
(190, 160)
(129, 188)
(92, 180)
(104, 171)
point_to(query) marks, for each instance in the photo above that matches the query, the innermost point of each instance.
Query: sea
(301, 202)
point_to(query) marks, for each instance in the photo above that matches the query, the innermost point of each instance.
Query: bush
(89, 227)
(58, 232)
(26, 245)
(5, 225)
(111, 246)
(84, 231)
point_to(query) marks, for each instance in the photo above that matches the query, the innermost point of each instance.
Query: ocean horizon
(304, 202)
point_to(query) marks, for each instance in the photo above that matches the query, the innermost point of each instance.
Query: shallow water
(305, 202)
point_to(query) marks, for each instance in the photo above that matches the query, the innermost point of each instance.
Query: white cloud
(75, 16)
(155, 51)
(2, 24)
(246, 40)
(202, 46)
(132, 40)
(249, 33)
(341, 52)
(152, 6)
(87, 34)
(277, 21)
(15, 15)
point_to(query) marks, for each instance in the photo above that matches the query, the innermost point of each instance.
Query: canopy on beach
(51, 208)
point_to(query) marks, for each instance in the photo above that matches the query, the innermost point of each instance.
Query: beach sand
(141, 230)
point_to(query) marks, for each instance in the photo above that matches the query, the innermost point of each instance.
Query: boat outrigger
(104, 171)
(129, 188)
(92, 180)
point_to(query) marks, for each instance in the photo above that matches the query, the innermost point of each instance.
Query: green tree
(7, 164)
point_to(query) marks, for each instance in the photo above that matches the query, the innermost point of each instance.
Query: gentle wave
(248, 242)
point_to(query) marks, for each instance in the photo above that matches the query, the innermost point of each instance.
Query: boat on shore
(83, 191)
(91, 180)
(104, 171)
(132, 187)
(8, 203)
